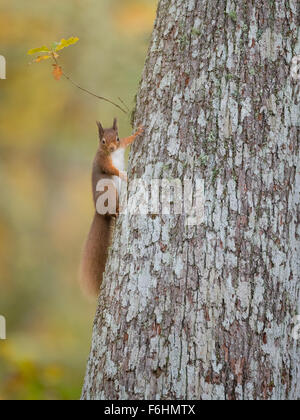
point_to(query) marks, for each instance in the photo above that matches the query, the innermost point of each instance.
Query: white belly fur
(118, 160)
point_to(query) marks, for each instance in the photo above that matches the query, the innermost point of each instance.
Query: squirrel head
(109, 137)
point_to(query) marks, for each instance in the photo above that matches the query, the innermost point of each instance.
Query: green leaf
(54, 45)
(64, 43)
(38, 50)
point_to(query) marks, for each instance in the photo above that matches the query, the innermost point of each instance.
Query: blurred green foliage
(48, 138)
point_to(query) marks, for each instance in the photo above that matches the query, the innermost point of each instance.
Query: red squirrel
(109, 164)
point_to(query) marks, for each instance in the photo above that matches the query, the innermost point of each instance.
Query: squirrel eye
(118, 139)
(103, 141)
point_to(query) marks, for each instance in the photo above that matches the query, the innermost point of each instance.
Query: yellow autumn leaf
(41, 58)
(37, 50)
(64, 43)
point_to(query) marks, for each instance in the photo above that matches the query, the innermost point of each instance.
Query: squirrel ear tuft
(100, 128)
(115, 125)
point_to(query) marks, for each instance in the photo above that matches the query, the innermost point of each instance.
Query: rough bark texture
(207, 312)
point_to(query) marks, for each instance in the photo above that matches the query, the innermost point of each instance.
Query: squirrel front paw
(140, 130)
(123, 175)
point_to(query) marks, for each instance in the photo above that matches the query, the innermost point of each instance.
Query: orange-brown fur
(99, 239)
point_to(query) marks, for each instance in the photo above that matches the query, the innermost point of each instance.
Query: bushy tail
(95, 254)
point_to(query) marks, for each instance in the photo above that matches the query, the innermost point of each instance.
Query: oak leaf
(64, 43)
(38, 50)
(41, 58)
(57, 72)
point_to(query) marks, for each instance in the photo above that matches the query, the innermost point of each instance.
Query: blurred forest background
(48, 138)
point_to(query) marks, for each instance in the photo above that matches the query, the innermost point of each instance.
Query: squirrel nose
(112, 148)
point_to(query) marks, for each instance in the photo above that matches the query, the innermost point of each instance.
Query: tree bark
(207, 312)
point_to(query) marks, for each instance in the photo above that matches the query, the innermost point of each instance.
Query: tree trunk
(207, 312)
